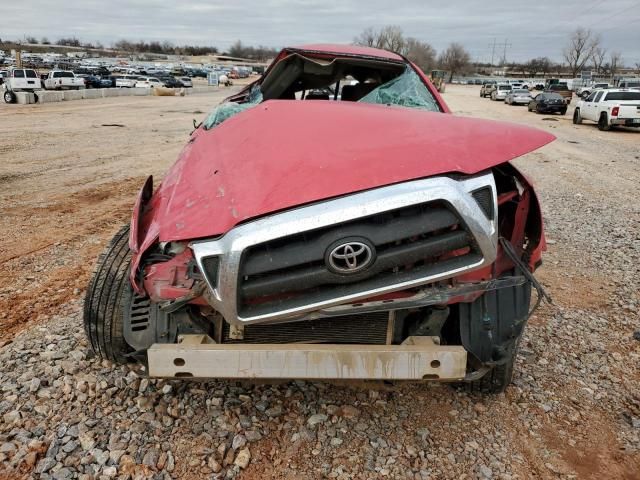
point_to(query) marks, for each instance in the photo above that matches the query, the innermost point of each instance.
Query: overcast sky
(531, 28)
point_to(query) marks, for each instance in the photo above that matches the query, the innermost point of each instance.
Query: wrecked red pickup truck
(331, 221)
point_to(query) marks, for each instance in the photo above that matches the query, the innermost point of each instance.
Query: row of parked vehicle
(606, 106)
(28, 80)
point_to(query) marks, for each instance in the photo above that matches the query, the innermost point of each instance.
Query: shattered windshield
(227, 110)
(406, 90)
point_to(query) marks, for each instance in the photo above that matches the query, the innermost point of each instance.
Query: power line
(504, 46)
(614, 14)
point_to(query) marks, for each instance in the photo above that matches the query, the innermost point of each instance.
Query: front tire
(107, 295)
(577, 118)
(507, 311)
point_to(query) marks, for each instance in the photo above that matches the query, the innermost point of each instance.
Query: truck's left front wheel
(9, 97)
(107, 296)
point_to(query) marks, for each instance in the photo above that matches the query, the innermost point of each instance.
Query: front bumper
(227, 251)
(418, 358)
(552, 108)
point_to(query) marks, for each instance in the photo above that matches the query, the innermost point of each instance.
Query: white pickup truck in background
(63, 80)
(18, 80)
(586, 90)
(608, 108)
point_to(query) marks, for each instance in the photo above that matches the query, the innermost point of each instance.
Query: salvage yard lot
(69, 175)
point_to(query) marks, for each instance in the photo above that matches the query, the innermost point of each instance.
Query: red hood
(281, 154)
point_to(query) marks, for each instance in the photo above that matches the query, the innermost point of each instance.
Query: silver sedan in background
(520, 96)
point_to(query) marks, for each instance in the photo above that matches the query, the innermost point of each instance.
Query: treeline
(455, 59)
(260, 53)
(163, 48)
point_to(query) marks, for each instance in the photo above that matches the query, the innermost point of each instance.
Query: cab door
(588, 108)
(18, 79)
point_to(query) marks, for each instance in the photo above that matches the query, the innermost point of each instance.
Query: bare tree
(389, 38)
(615, 62)
(638, 67)
(368, 38)
(420, 53)
(540, 64)
(579, 51)
(598, 57)
(455, 59)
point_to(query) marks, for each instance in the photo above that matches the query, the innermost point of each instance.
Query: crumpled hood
(281, 154)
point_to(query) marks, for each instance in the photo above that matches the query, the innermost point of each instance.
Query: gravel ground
(572, 412)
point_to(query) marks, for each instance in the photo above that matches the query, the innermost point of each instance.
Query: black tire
(577, 118)
(107, 295)
(563, 111)
(497, 379)
(507, 310)
(9, 97)
(603, 123)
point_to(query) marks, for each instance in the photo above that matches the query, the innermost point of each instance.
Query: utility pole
(493, 50)
(504, 52)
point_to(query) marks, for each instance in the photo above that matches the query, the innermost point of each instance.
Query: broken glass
(226, 110)
(406, 90)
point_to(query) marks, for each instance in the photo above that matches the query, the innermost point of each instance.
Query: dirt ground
(69, 173)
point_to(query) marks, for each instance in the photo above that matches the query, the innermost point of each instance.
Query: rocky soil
(572, 412)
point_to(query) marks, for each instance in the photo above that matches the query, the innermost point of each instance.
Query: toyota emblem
(350, 256)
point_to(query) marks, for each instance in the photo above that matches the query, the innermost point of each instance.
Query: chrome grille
(261, 264)
(409, 243)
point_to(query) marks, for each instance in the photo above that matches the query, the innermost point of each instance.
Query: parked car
(198, 72)
(170, 81)
(90, 81)
(186, 82)
(501, 91)
(126, 81)
(561, 89)
(548, 102)
(629, 84)
(520, 96)
(609, 108)
(375, 269)
(19, 80)
(148, 82)
(63, 80)
(585, 91)
(487, 88)
(107, 82)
